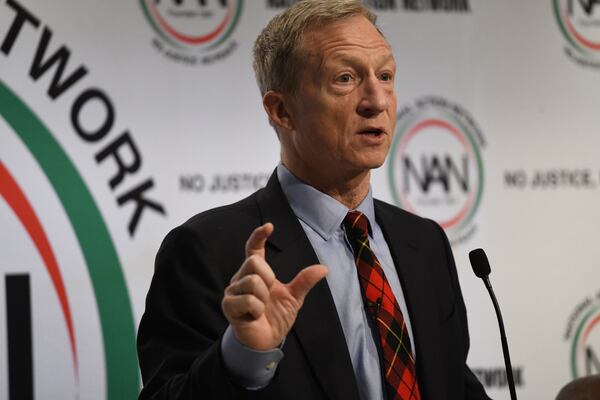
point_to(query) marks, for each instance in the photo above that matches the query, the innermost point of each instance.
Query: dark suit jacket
(180, 332)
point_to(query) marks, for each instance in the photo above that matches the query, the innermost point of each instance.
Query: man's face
(343, 112)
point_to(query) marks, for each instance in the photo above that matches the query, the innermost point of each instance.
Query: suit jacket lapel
(317, 325)
(402, 240)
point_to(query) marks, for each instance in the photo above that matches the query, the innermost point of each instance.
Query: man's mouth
(372, 131)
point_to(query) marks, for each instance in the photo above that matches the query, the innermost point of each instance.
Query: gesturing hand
(260, 309)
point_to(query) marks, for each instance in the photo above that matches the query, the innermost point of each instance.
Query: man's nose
(375, 97)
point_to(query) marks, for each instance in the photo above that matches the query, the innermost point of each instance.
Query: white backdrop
(497, 139)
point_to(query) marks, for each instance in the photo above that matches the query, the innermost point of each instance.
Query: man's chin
(367, 167)
(374, 163)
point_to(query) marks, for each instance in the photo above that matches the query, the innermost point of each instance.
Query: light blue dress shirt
(321, 218)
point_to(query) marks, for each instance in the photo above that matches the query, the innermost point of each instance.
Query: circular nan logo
(193, 31)
(579, 22)
(435, 168)
(583, 333)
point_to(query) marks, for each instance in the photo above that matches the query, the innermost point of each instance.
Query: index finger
(255, 245)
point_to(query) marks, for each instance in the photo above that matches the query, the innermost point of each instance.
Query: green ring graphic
(104, 268)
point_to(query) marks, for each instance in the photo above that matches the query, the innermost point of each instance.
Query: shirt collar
(321, 212)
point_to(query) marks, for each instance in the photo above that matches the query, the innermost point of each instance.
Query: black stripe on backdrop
(18, 323)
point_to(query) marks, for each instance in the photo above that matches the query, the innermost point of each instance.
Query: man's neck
(348, 190)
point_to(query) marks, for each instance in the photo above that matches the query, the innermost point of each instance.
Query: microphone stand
(507, 364)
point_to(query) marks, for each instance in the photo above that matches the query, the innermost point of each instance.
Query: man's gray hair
(276, 55)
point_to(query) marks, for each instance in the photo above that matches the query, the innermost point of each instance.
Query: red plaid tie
(398, 362)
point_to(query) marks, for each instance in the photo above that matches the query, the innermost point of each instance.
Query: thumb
(306, 280)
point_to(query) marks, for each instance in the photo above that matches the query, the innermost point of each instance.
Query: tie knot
(357, 224)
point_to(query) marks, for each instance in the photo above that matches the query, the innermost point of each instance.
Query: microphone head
(480, 263)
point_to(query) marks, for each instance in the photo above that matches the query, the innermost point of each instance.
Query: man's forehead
(342, 35)
(382, 53)
(346, 52)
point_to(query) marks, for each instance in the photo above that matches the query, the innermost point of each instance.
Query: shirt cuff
(251, 369)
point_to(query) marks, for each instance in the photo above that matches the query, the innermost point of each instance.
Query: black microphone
(481, 267)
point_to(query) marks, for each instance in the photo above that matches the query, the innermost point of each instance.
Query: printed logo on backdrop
(435, 167)
(222, 183)
(193, 31)
(454, 6)
(579, 22)
(582, 335)
(495, 377)
(49, 68)
(551, 179)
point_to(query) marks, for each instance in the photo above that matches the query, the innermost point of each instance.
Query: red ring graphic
(456, 133)
(9, 189)
(579, 37)
(193, 40)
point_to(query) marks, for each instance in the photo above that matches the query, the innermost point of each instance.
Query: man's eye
(386, 76)
(344, 78)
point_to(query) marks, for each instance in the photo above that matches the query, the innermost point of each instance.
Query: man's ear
(277, 107)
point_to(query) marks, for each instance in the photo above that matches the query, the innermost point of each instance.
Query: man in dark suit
(238, 307)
